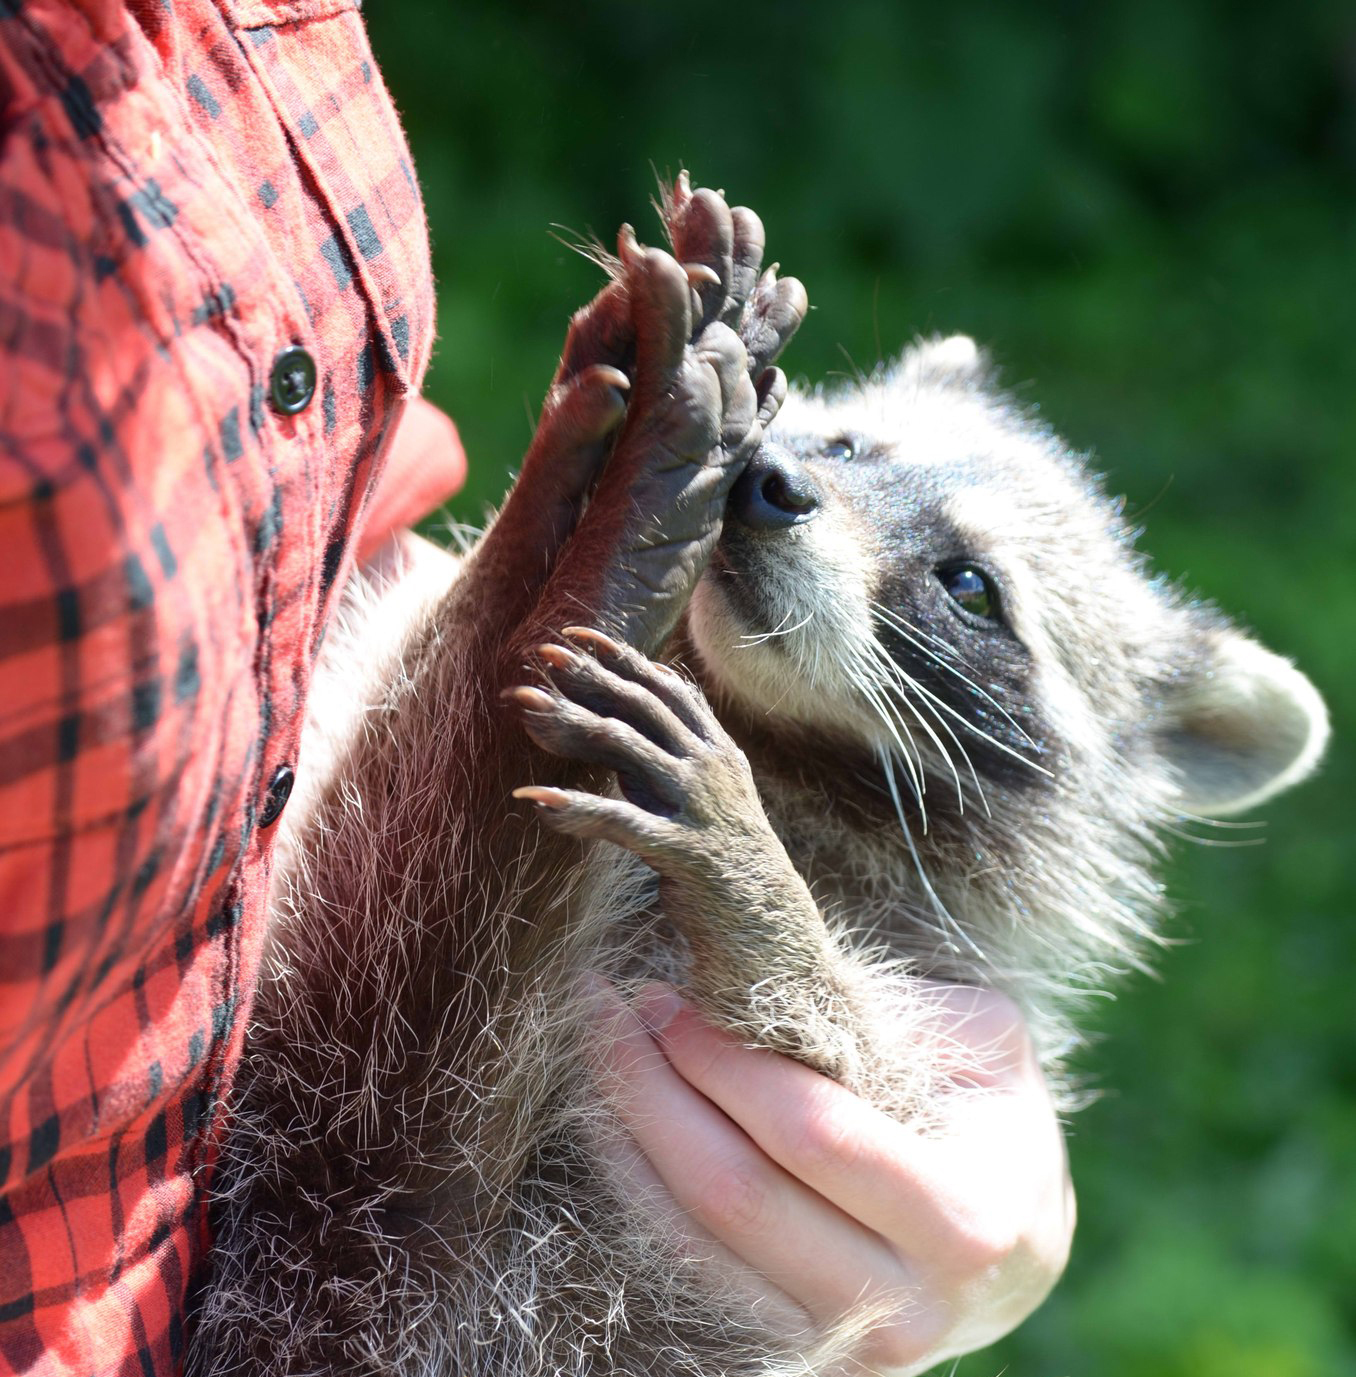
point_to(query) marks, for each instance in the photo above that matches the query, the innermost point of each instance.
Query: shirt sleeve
(215, 306)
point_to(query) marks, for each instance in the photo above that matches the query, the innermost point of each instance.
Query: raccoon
(873, 689)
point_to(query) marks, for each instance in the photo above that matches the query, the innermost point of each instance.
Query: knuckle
(826, 1143)
(980, 1243)
(903, 1340)
(738, 1200)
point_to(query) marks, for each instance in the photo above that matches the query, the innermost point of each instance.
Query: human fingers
(986, 1194)
(638, 1183)
(822, 1261)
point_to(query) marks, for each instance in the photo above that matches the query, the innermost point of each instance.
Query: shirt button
(291, 384)
(279, 791)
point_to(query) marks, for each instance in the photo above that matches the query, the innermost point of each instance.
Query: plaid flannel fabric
(186, 192)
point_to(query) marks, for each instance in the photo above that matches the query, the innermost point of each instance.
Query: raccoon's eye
(970, 589)
(840, 450)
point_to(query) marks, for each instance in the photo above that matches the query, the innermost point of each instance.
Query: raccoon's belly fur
(965, 710)
(553, 1269)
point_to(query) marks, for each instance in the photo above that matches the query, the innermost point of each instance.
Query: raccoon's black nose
(773, 492)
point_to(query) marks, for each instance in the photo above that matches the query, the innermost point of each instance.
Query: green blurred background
(1146, 209)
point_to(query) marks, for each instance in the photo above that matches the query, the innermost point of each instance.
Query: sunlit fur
(1038, 874)
(417, 1179)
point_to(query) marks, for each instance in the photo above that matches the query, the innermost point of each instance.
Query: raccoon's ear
(949, 358)
(1240, 724)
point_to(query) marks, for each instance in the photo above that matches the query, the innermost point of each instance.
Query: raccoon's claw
(683, 782)
(591, 817)
(577, 417)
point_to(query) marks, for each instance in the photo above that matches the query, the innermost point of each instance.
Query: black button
(279, 791)
(291, 384)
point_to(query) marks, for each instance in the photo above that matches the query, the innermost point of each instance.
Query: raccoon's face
(914, 567)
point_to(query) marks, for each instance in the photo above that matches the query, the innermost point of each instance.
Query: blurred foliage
(1146, 209)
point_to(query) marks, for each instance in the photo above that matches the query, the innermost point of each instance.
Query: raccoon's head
(916, 572)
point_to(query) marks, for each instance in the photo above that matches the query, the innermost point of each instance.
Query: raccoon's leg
(762, 960)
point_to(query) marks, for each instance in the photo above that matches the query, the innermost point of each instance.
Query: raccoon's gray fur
(411, 1185)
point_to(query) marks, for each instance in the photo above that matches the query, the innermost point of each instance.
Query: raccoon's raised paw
(702, 393)
(687, 791)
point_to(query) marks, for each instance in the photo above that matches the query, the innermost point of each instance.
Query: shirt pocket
(313, 59)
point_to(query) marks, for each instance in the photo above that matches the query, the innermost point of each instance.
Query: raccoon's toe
(701, 230)
(576, 730)
(592, 817)
(774, 314)
(678, 694)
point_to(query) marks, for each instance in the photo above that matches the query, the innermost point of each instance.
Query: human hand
(816, 1205)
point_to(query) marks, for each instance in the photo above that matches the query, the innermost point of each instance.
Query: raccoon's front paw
(688, 795)
(700, 401)
(762, 962)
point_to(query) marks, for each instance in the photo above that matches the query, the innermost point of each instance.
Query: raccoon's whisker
(911, 761)
(892, 707)
(948, 923)
(1220, 822)
(910, 633)
(897, 679)
(781, 629)
(940, 705)
(1215, 843)
(855, 374)
(947, 647)
(859, 676)
(893, 699)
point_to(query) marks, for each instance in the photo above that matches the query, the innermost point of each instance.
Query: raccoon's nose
(773, 492)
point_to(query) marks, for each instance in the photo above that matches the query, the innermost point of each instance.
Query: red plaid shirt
(186, 193)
